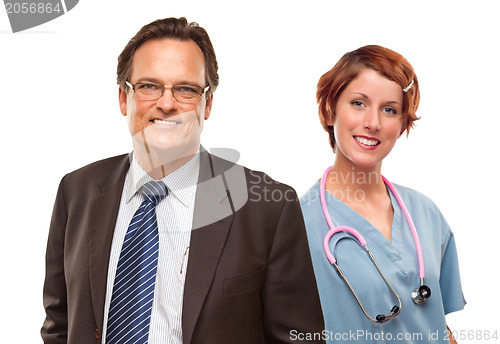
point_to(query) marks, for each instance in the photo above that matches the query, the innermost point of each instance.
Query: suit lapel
(212, 220)
(101, 229)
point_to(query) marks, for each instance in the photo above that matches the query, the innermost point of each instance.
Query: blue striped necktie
(133, 291)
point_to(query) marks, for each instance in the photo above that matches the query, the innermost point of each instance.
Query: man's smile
(165, 121)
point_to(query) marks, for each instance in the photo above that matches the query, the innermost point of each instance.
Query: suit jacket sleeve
(55, 327)
(292, 306)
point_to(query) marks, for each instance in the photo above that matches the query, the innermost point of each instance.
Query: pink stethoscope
(419, 295)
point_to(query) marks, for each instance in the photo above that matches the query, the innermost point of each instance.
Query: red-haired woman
(401, 287)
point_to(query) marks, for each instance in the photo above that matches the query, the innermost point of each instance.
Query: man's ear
(208, 106)
(122, 98)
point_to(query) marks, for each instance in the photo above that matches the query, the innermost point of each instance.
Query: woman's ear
(330, 120)
(404, 128)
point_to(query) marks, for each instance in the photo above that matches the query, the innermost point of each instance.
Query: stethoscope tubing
(356, 234)
(419, 295)
(416, 239)
(333, 229)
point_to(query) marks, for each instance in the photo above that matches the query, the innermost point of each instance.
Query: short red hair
(388, 63)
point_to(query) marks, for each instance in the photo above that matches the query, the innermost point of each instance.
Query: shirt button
(96, 332)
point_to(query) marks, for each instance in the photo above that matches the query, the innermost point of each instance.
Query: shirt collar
(181, 182)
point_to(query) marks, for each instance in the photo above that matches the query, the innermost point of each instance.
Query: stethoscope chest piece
(421, 294)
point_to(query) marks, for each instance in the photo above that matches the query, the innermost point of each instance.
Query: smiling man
(166, 121)
(164, 245)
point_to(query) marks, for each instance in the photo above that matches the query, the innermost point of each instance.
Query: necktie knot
(154, 191)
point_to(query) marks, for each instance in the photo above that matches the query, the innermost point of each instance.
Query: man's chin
(155, 154)
(173, 151)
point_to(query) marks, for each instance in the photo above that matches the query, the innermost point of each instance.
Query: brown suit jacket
(249, 277)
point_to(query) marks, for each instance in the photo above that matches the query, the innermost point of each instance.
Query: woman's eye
(389, 110)
(357, 103)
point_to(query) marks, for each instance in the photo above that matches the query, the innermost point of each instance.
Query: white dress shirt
(174, 216)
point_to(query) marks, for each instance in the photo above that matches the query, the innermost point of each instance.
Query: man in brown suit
(244, 274)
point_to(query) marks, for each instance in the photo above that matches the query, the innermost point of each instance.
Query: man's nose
(167, 101)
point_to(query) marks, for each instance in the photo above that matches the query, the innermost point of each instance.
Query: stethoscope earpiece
(395, 310)
(384, 318)
(421, 294)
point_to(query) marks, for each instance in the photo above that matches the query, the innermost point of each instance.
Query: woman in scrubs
(366, 102)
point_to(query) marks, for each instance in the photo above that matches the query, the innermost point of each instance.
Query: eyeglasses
(183, 93)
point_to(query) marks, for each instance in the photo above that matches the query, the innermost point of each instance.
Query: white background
(59, 111)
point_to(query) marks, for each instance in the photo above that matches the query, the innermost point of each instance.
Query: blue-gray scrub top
(344, 320)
